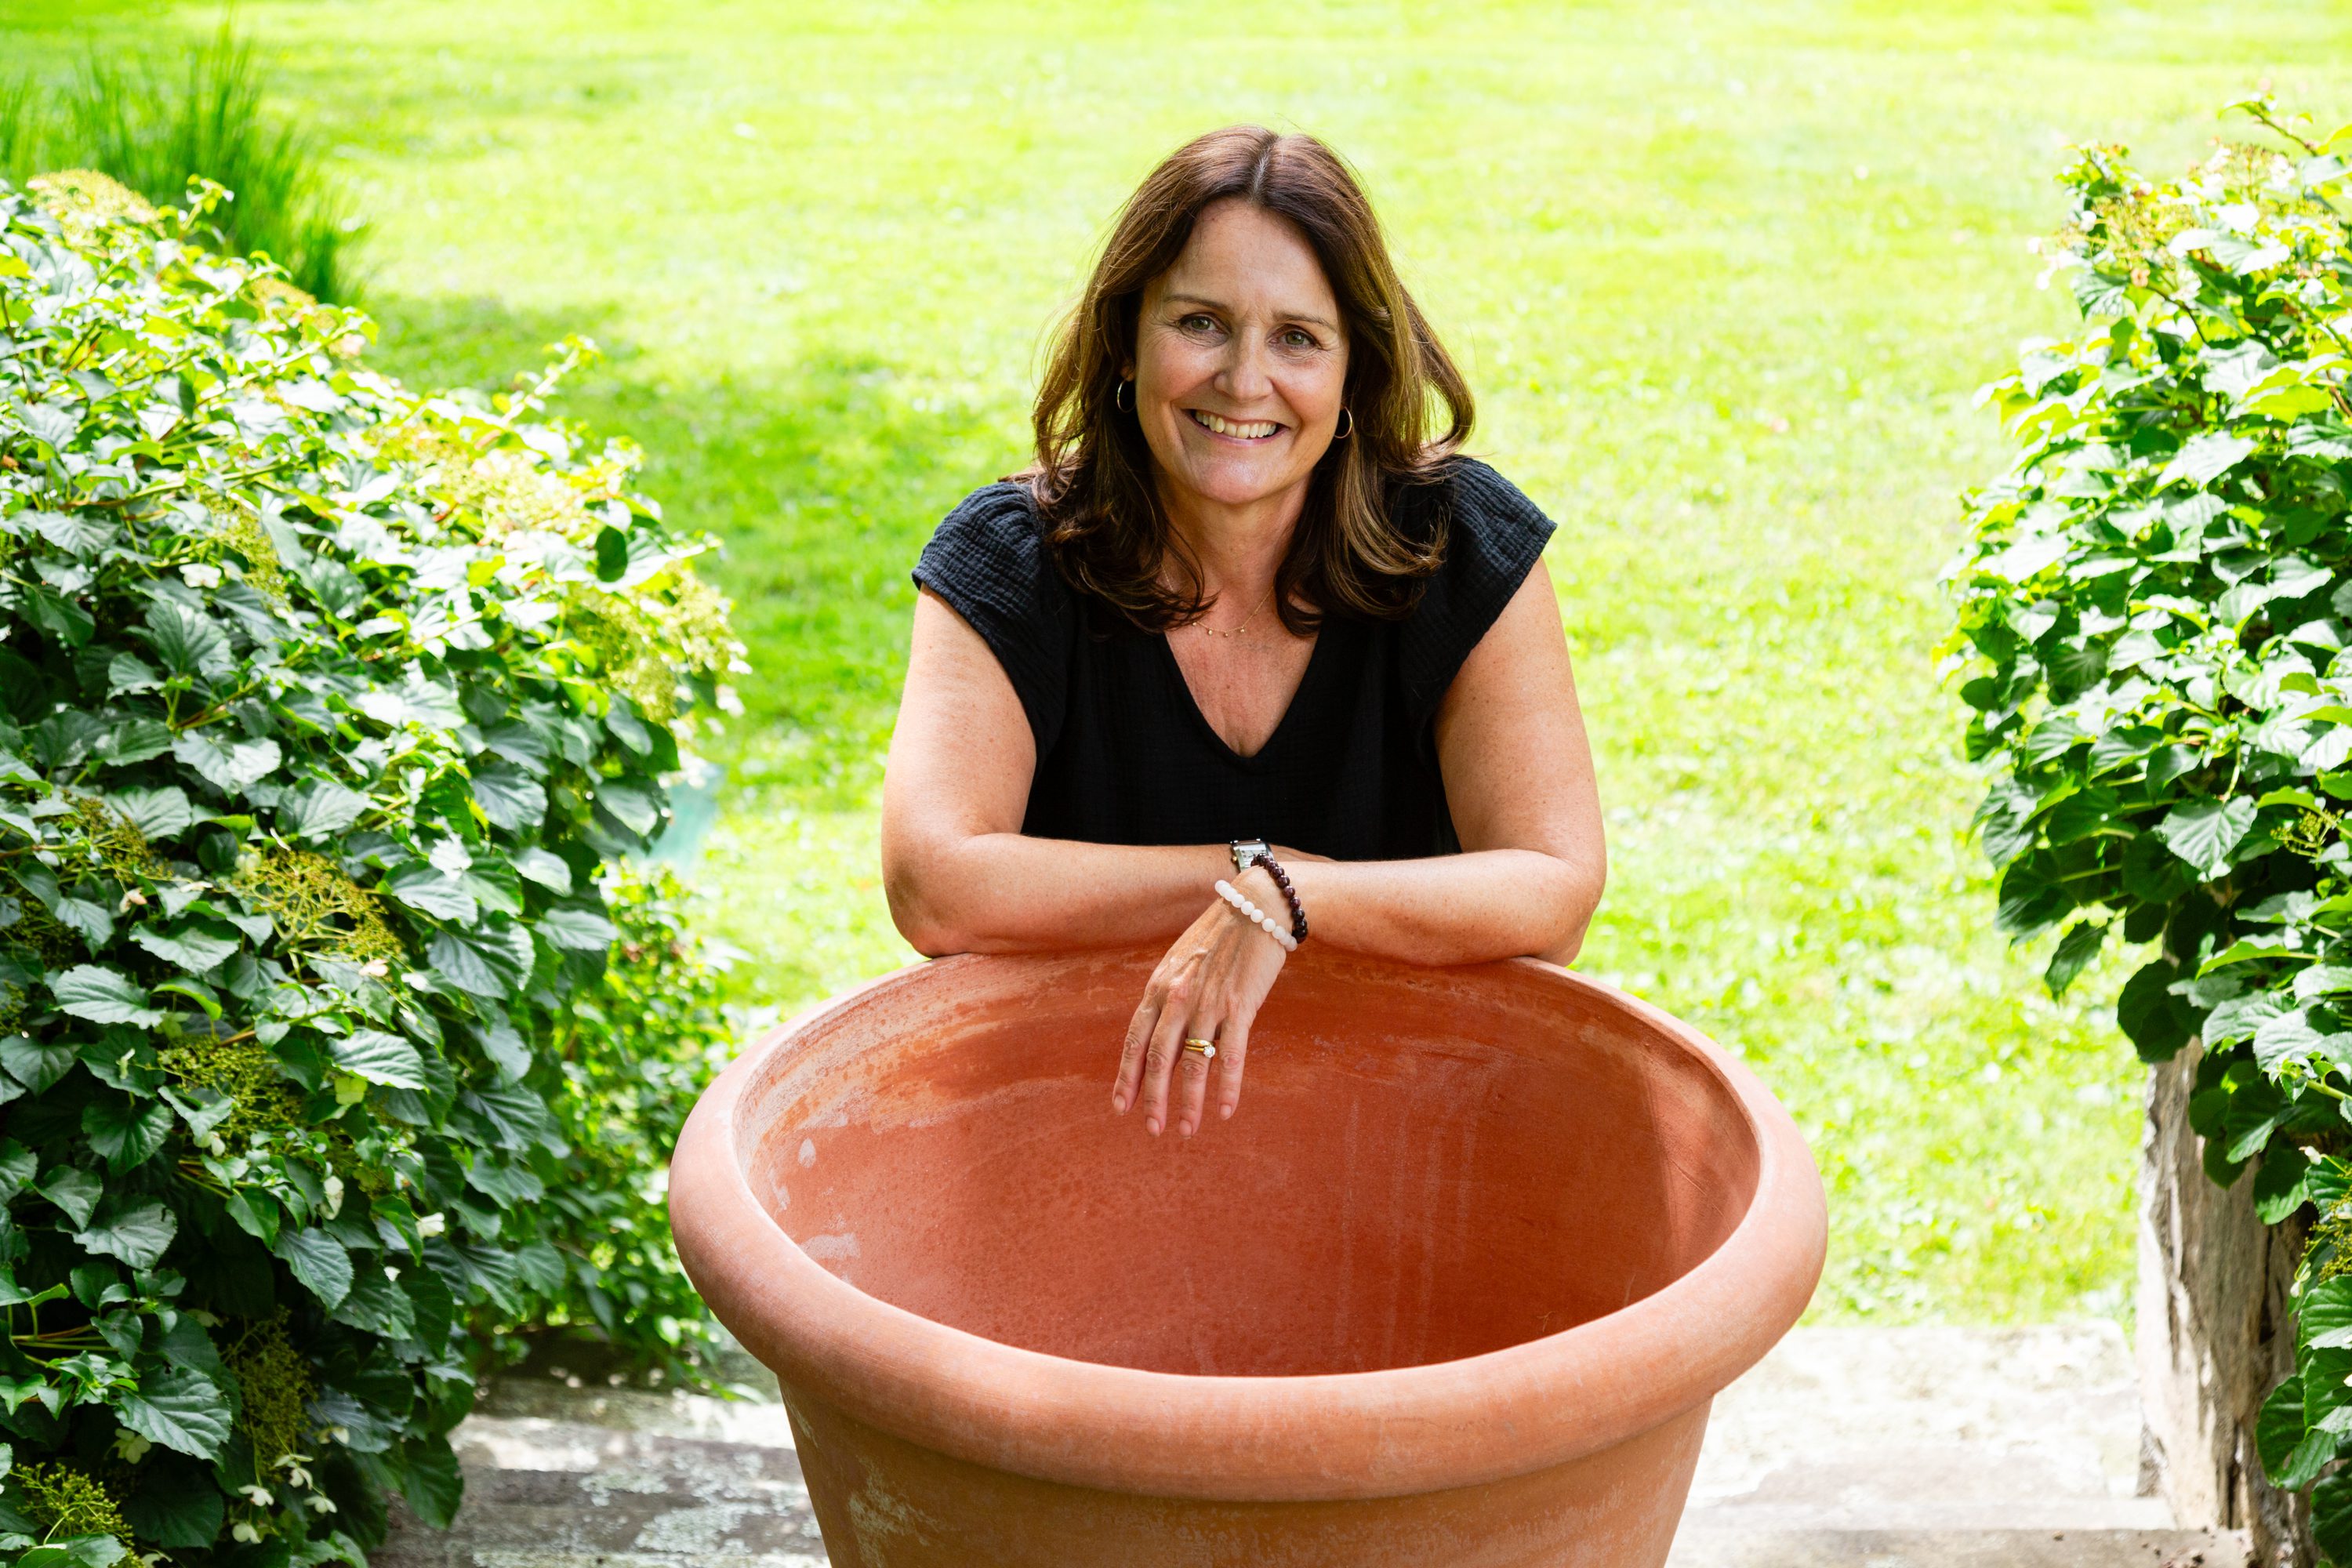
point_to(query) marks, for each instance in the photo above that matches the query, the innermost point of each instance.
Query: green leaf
(504, 1048)
(229, 767)
(379, 1058)
(2204, 458)
(16, 1166)
(2279, 1428)
(424, 887)
(377, 1305)
(180, 1409)
(2075, 951)
(581, 931)
(192, 944)
(157, 813)
(2203, 832)
(78, 1551)
(2279, 1187)
(2156, 1023)
(102, 996)
(175, 1506)
(485, 965)
(2331, 1516)
(319, 808)
(74, 1190)
(636, 809)
(547, 869)
(506, 1185)
(73, 533)
(432, 1483)
(137, 1233)
(36, 1066)
(134, 739)
(188, 642)
(319, 1262)
(509, 798)
(127, 1133)
(611, 554)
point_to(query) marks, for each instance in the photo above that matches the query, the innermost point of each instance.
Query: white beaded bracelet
(1258, 917)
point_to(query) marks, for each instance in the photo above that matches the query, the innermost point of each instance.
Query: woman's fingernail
(1151, 1125)
(1119, 1103)
(1224, 1110)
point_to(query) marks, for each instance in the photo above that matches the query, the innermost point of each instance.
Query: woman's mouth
(1233, 429)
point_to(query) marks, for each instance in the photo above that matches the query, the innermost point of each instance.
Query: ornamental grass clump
(319, 746)
(2155, 612)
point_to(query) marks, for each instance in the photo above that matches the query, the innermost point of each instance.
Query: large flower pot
(1454, 1288)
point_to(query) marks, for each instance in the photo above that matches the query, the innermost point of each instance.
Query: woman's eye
(1298, 339)
(1198, 324)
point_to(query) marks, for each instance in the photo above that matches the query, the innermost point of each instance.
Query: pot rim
(1301, 1437)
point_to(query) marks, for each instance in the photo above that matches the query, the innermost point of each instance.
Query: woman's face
(1239, 360)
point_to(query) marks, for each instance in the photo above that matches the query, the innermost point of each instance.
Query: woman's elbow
(925, 912)
(1578, 901)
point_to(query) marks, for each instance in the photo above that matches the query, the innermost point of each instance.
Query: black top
(1124, 756)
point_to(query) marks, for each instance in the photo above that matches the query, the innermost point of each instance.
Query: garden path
(1847, 1448)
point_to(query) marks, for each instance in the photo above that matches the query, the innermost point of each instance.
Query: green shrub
(325, 704)
(636, 1049)
(2155, 610)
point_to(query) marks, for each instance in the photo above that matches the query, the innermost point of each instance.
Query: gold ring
(1206, 1048)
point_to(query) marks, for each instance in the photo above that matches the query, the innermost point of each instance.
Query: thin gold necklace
(1242, 625)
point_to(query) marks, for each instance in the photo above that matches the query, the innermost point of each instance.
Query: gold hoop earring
(1346, 429)
(1118, 399)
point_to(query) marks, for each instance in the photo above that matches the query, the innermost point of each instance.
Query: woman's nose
(1244, 378)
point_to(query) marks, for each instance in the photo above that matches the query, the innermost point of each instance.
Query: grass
(152, 119)
(1723, 277)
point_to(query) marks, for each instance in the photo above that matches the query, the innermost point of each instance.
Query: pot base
(884, 1502)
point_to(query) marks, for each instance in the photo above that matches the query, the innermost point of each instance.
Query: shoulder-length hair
(1351, 551)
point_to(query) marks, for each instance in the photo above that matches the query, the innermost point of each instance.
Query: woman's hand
(1209, 986)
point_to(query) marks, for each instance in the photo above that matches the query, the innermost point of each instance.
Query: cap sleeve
(1494, 535)
(991, 564)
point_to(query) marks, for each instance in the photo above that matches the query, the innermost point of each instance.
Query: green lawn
(1723, 276)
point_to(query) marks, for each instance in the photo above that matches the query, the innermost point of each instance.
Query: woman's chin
(1243, 482)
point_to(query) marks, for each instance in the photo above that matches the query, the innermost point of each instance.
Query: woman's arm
(1518, 782)
(960, 874)
(961, 877)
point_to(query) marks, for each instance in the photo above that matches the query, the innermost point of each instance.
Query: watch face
(1246, 852)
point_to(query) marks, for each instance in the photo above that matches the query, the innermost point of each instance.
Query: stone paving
(1925, 1447)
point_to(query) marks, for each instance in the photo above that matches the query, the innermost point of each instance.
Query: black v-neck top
(1124, 756)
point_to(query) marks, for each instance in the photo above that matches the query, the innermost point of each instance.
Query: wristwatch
(1248, 852)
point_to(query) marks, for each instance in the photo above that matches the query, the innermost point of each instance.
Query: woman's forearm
(1006, 892)
(1451, 909)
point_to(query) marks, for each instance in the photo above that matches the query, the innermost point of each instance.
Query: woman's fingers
(1192, 1070)
(1232, 1049)
(1129, 1084)
(1160, 1055)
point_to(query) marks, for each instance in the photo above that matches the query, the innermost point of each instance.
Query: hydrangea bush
(325, 706)
(2155, 612)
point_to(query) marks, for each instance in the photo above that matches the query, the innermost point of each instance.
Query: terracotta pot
(1455, 1287)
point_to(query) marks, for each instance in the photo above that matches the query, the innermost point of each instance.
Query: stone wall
(2214, 1333)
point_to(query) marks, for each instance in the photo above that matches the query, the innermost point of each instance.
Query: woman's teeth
(1250, 432)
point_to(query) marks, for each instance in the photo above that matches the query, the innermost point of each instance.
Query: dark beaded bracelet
(1290, 895)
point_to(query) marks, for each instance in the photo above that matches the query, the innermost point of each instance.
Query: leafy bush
(637, 1050)
(152, 123)
(325, 701)
(2157, 608)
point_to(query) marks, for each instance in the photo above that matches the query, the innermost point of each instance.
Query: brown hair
(1093, 471)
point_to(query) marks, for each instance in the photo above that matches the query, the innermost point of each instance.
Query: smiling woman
(1249, 612)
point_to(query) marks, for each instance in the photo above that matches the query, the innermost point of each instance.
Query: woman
(1248, 656)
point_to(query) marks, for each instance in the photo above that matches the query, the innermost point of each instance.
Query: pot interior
(1427, 1164)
